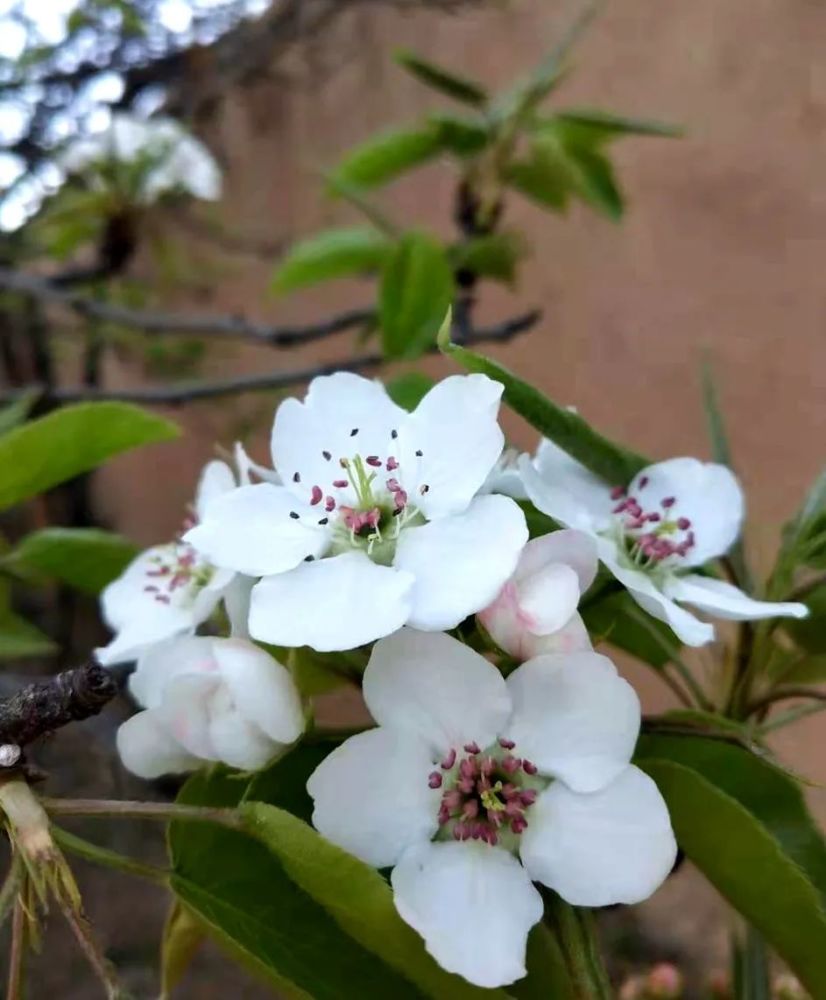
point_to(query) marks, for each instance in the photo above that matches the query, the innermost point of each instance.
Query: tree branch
(177, 393)
(155, 322)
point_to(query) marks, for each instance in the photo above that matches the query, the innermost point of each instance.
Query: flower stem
(163, 811)
(111, 859)
(17, 952)
(577, 936)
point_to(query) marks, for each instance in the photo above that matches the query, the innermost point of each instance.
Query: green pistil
(362, 482)
(490, 798)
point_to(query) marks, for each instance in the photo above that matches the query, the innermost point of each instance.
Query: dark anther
(293, 515)
(327, 455)
(296, 477)
(394, 434)
(324, 520)
(353, 432)
(419, 453)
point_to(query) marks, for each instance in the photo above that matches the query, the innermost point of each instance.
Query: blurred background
(716, 259)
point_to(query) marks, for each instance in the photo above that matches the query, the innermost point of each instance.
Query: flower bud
(535, 612)
(664, 982)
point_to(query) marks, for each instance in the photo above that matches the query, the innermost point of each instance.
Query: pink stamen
(472, 747)
(329, 504)
(373, 460)
(668, 502)
(315, 495)
(450, 760)
(683, 523)
(392, 464)
(435, 780)
(340, 484)
(506, 744)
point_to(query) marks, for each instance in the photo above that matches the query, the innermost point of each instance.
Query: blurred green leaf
(619, 620)
(494, 256)
(75, 439)
(594, 126)
(20, 639)
(15, 413)
(384, 157)
(460, 135)
(612, 462)
(804, 538)
(444, 81)
(415, 294)
(810, 633)
(538, 523)
(594, 180)
(335, 253)
(807, 669)
(183, 935)
(750, 966)
(409, 389)
(745, 824)
(85, 558)
(543, 176)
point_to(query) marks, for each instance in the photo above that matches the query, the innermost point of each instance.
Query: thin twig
(163, 811)
(793, 715)
(89, 945)
(111, 859)
(17, 952)
(177, 393)
(782, 694)
(156, 322)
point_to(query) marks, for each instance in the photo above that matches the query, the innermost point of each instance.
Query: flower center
(486, 794)
(366, 504)
(650, 538)
(178, 574)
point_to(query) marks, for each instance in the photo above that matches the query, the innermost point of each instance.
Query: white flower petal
(336, 406)
(431, 685)
(573, 637)
(237, 598)
(148, 751)
(248, 469)
(716, 597)
(261, 687)
(216, 479)
(460, 563)
(473, 905)
(576, 549)
(574, 717)
(612, 846)
(234, 739)
(372, 796)
(650, 598)
(708, 494)
(166, 660)
(336, 603)
(185, 712)
(253, 531)
(561, 472)
(450, 443)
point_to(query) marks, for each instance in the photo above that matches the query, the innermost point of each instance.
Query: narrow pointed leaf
(85, 558)
(443, 80)
(335, 253)
(386, 156)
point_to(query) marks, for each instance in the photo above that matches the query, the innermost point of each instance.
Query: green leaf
(315, 673)
(594, 180)
(495, 256)
(610, 461)
(537, 522)
(750, 967)
(15, 413)
(594, 125)
(804, 538)
(182, 937)
(75, 439)
(543, 176)
(619, 620)
(547, 977)
(335, 253)
(810, 633)
(241, 893)
(807, 670)
(444, 81)
(415, 294)
(744, 823)
(384, 157)
(358, 899)
(460, 135)
(409, 390)
(20, 639)
(85, 558)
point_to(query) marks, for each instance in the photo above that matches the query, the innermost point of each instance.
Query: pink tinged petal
(705, 493)
(304, 433)
(650, 598)
(236, 740)
(575, 549)
(335, 603)
(435, 688)
(258, 530)
(575, 490)
(185, 712)
(450, 443)
(460, 563)
(472, 904)
(161, 663)
(147, 750)
(612, 846)
(261, 688)
(216, 479)
(548, 598)
(723, 600)
(574, 717)
(373, 797)
(573, 637)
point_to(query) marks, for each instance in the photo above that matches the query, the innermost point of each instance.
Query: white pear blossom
(536, 611)
(505, 476)
(165, 156)
(673, 516)
(378, 522)
(170, 589)
(208, 700)
(473, 787)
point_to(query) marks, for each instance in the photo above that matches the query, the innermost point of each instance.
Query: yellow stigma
(490, 799)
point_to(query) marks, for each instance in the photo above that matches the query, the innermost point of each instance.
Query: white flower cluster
(149, 157)
(381, 526)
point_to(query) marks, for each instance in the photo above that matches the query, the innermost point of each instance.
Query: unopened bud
(664, 982)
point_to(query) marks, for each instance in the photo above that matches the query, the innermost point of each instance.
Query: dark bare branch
(177, 393)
